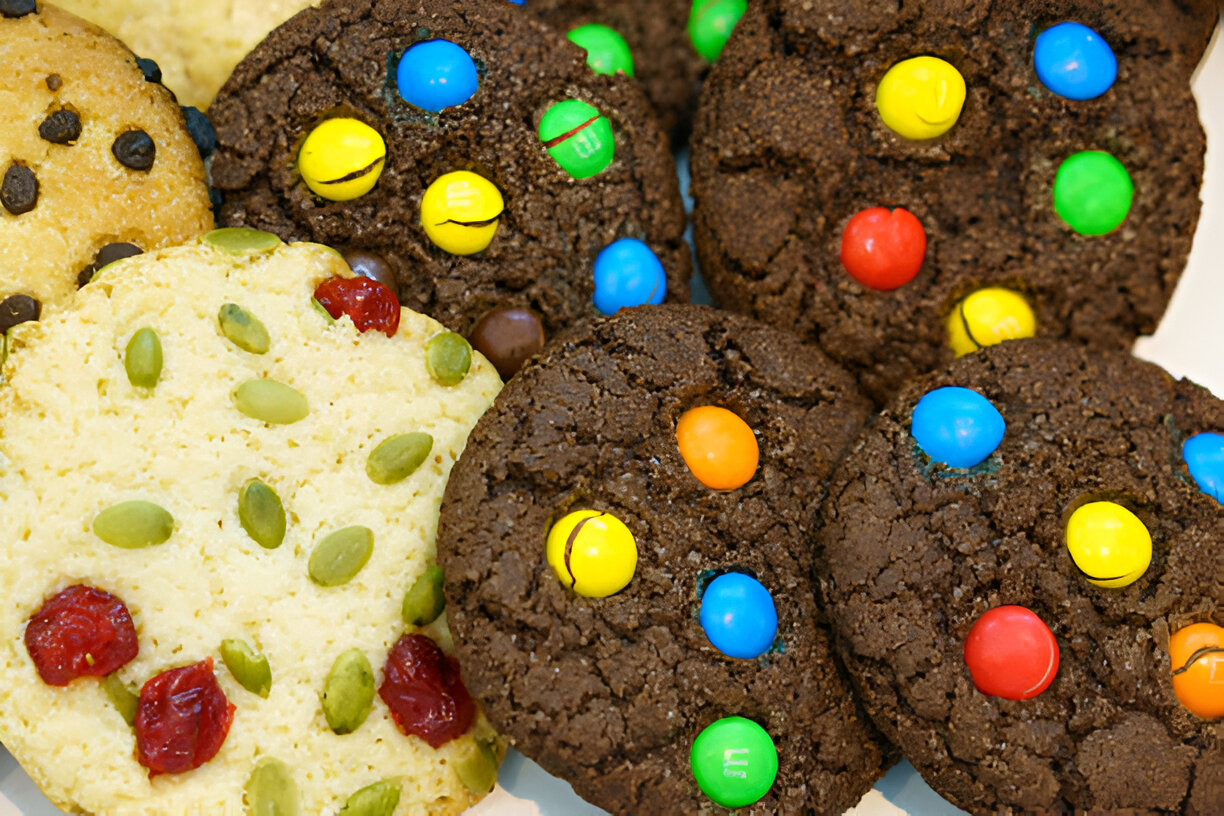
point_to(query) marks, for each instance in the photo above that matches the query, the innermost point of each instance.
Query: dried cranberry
(424, 691)
(80, 632)
(370, 304)
(182, 720)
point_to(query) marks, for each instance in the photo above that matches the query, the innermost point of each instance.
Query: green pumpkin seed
(142, 359)
(271, 401)
(379, 799)
(243, 329)
(348, 692)
(121, 697)
(321, 309)
(249, 667)
(133, 524)
(340, 556)
(424, 602)
(397, 457)
(475, 763)
(261, 514)
(240, 241)
(270, 790)
(448, 357)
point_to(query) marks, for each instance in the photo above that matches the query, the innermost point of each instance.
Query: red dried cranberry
(424, 691)
(80, 632)
(370, 304)
(182, 720)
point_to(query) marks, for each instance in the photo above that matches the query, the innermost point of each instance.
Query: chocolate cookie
(1027, 585)
(465, 151)
(645, 490)
(860, 170)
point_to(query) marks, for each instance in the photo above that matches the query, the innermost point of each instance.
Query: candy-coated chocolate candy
(739, 616)
(627, 273)
(516, 2)
(342, 159)
(1074, 61)
(1011, 653)
(987, 317)
(436, 74)
(1204, 455)
(592, 553)
(507, 337)
(578, 137)
(607, 51)
(956, 426)
(459, 212)
(883, 248)
(1093, 192)
(1109, 544)
(734, 761)
(711, 22)
(921, 98)
(1197, 655)
(718, 447)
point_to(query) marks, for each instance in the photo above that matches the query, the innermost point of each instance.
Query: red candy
(80, 632)
(883, 248)
(182, 720)
(424, 691)
(370, 304)
(1011, 653)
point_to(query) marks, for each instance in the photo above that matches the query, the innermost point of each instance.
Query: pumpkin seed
(142, 359)
(348, 692)
(340, 556)
(397, 457)
(261, 514)
(133, 524)
(240, 241)
(271, 401)
(475, 763)
(448, 357)
(249, 667)
(379, 799)
(321, 309)
(243, 329)
(270, 790)
(121, 697)
(424, 601)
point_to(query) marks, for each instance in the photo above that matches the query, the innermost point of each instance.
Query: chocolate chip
(150, 69)
(18, 309)
(17, 8)
(508, 337)
(54, 82)
(135, 149)
(202, 132)
(19, 191)
(107, 255)
(374, 267)
(62, 127)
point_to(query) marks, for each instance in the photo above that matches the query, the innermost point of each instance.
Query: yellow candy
(342, 159)
(459, 212)
(921, 98)
(987, 317)
(592, 552)
(1109, 544)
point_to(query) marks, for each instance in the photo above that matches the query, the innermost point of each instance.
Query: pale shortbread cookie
(55, 62)
(77, 437)
(197, 43)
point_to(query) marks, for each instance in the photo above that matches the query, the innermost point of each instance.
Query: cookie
(224, 501)
(642, 491)
(508, 186)
(1038, 625)
(96, 162)
(827, 204)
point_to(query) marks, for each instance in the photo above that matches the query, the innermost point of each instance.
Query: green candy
(1093, 192)
(241, 241)
(607, 51)
(578, 138)
(710, 24)
(734, 761)
(142, 359)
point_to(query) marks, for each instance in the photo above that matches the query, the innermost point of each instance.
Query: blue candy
(738, 615)
(956, 426)
(1204, 455)
(436, 74)
(517, 2)
(627, 273)
(1074, 61)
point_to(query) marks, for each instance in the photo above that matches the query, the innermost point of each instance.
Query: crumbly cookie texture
(76, 437)
(59, 68)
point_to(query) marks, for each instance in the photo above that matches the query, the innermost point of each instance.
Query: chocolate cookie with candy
(462, 154)
(1026, 582)
(626, 541)
(903, 183)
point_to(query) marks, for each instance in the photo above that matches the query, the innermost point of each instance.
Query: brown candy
(374, 267)
(19, 190)
(135, 150)
(508, 337)
(17, 8)
(18, 309)
(62, 127)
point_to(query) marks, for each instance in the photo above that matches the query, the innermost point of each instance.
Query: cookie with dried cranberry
(1026, 582)
(522, 181)
(221, 467)
(626, 542)
(96, 163)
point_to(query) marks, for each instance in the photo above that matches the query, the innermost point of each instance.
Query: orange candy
(1199, 682)
(718, 447)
